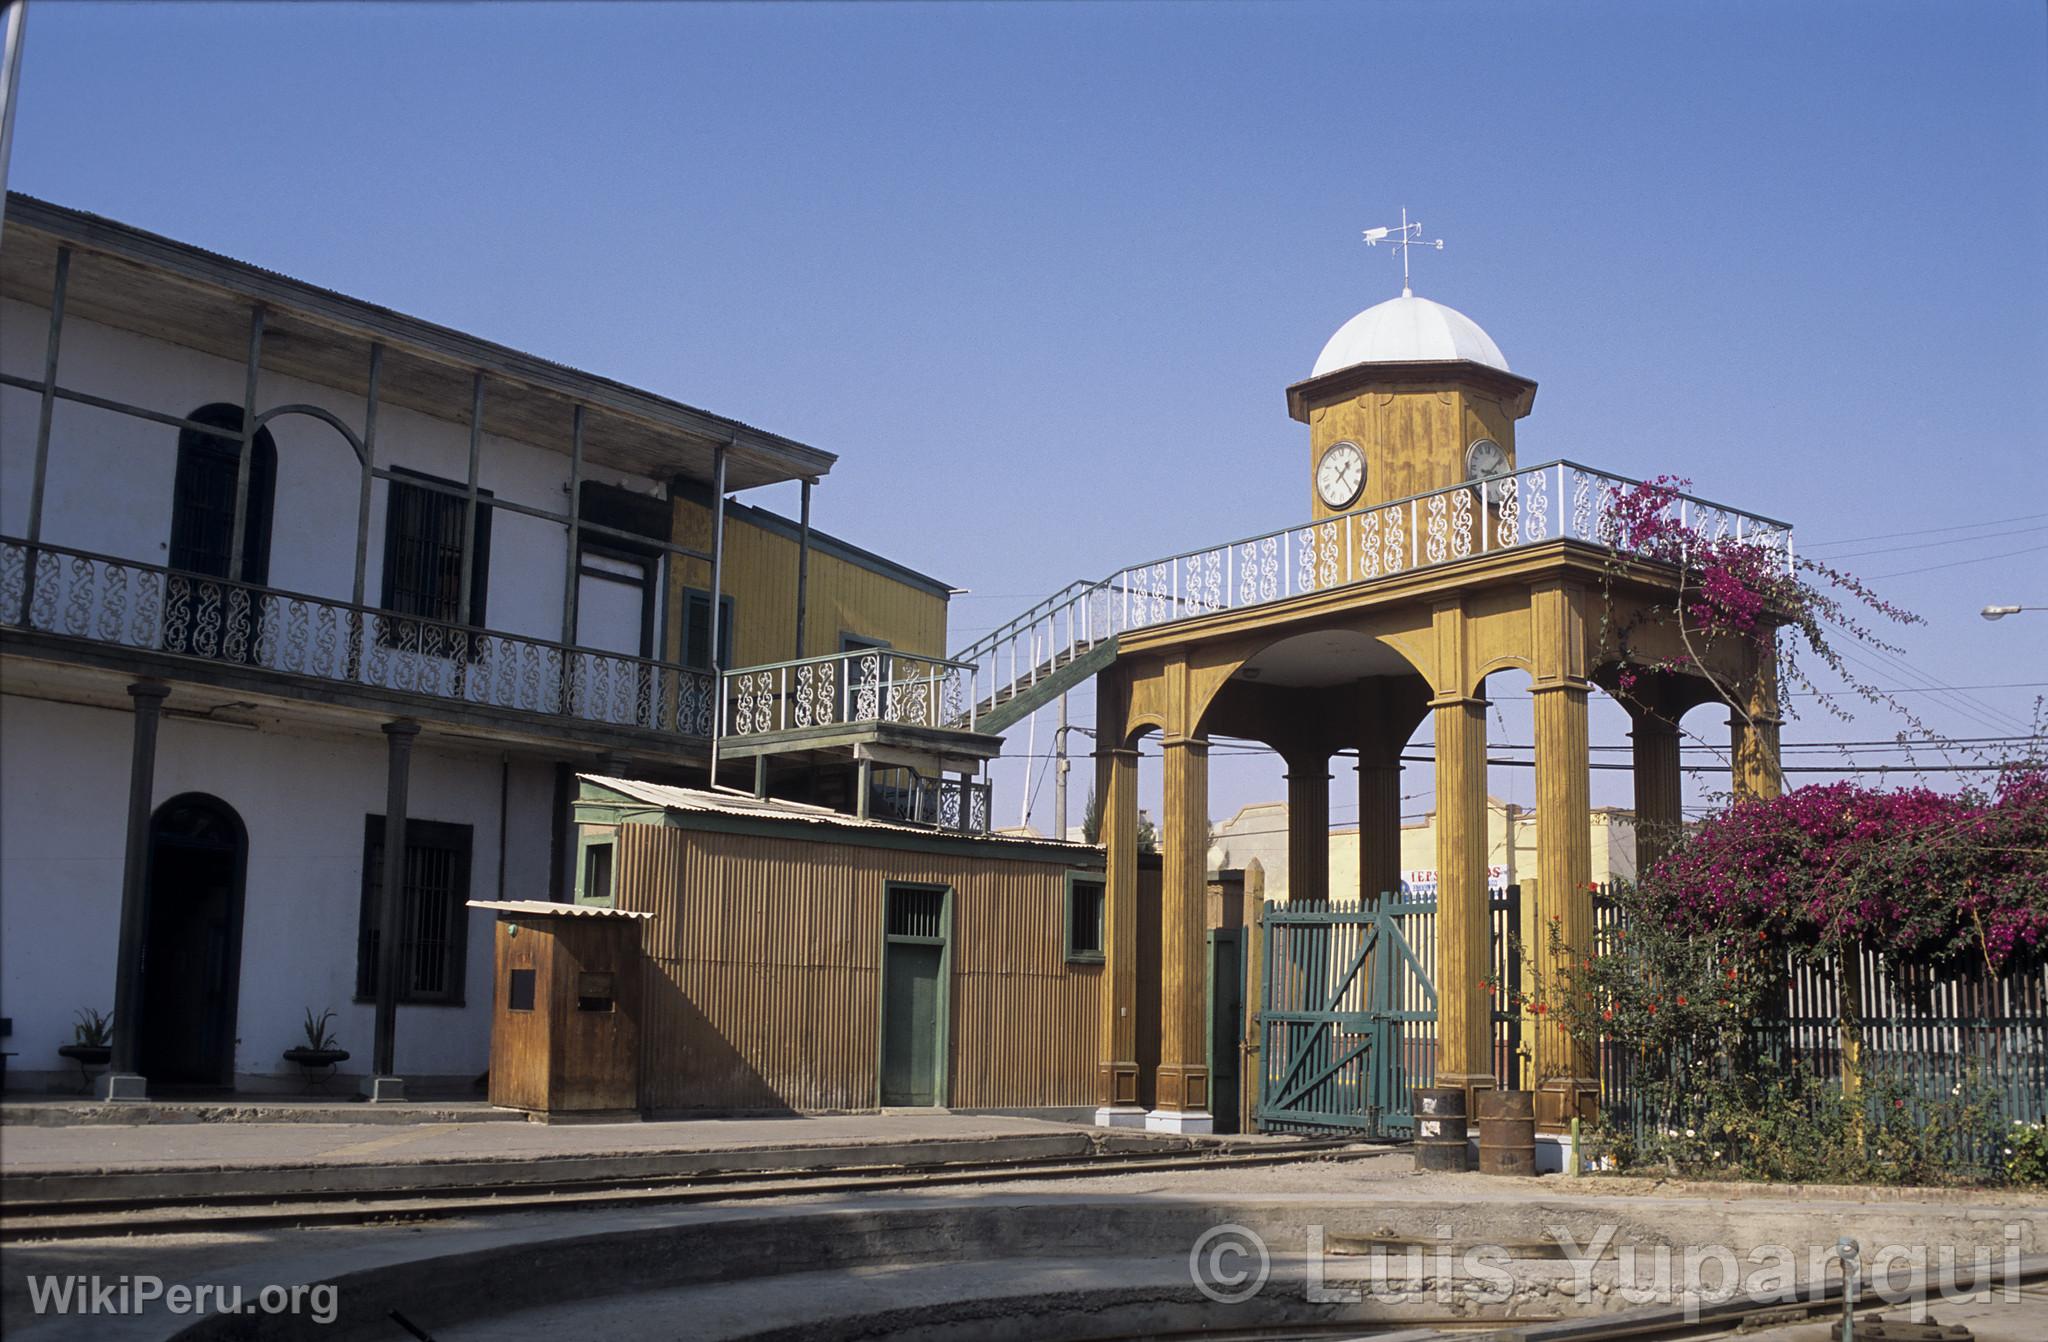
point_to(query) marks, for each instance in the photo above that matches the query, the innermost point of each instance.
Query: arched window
(203, 509)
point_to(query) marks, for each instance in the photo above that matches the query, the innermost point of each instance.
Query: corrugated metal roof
(548, 908)
(758, 808)
(50, 216)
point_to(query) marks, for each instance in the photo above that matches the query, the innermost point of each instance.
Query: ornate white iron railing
(943, 803)
(864, 685)
(54, 590)
(1559, 500)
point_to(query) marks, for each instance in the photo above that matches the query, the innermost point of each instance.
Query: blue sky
(1040, 273)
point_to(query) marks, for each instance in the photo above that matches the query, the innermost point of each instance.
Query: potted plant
(92, 1042)
(320, 1048)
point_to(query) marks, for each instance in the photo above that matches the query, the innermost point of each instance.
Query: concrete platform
(44, 1112)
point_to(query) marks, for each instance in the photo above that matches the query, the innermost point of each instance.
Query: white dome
(1406, 330)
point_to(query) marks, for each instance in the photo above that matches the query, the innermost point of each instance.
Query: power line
(1982, 559)
(1922, 531)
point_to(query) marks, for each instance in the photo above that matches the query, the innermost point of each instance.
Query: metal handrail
(1556, 500)
(66, 591)
(849, 688)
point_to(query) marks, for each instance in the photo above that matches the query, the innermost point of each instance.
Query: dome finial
(1406, 236)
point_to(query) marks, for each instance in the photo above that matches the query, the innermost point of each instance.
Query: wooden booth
(565, 1023)
(802, 959)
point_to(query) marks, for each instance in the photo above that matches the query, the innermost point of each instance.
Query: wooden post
(121, 1080)
(1849, 1025)
(1564, 901)
(1254, 989)
(1183, 1053)
(1658, 783)
(1754, 738)
(243, 464)
(1464, 1016)
(1308, 824)
(1379, 820)
(383, 1083)
(1117, 1073)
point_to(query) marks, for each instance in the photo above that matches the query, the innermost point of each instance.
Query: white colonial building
(442, 577)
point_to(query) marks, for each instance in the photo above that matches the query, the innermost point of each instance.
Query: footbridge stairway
(1071, 635)
(878, 705)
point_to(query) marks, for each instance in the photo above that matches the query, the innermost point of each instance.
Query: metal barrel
(1507, 1132)
(1440, 1129)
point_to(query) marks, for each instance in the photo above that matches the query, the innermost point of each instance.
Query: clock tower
(1407, 397)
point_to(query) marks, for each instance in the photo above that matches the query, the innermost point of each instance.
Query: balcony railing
(211, 621)
(942, 803)
(848, 689)
(1560, 500)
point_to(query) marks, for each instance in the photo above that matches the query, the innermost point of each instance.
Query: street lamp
(2000, 612)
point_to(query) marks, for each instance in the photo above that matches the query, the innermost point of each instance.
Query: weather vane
(1406, 236)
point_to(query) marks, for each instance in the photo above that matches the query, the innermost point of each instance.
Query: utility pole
(1059, 777)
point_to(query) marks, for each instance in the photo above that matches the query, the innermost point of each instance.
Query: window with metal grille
(433, 922)
(1084, 917)
(423, 551)
(203, 497)
(916, 911)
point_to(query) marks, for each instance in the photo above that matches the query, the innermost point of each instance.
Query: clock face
(1340, 475)
(1486, 460)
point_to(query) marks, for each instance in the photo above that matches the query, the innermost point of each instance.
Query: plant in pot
(321, 1048)
(92, 1042)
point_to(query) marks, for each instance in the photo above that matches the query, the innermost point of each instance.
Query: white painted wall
(64, 775)
(110, 475)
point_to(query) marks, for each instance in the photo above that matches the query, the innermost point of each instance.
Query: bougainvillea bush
(1736, 589)
(1682, 990)
(1946, 881)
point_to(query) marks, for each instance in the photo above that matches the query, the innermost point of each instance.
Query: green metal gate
(1347, 1021)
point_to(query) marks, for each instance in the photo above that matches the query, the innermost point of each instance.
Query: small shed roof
(745, 806)
(546, 908)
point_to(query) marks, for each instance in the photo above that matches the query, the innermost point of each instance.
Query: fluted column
(1753, 734)
(1564, 899)
(1463, 934)
(1183, 1090)
(1117, 1073)
(1308, 824)
(1660, 798)
(1379, 820)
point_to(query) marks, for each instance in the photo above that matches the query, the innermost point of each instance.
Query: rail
(847, 689)
(52, 589)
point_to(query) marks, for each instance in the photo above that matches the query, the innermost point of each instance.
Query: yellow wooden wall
(760, 577)
(764, 960)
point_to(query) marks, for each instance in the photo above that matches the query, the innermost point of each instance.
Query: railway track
(225, 1210)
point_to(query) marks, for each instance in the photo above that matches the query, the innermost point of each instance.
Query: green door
(910, 1026)
(1226, 1024)
(914, 943)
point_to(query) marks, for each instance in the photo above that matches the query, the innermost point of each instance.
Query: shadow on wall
(690, 1062)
